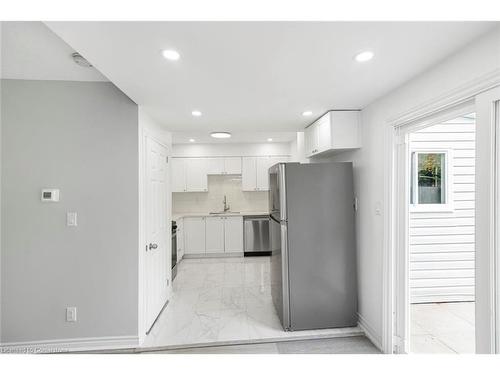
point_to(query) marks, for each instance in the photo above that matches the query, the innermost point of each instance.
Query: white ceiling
(30, 50)
(237, 137)
(260, 76)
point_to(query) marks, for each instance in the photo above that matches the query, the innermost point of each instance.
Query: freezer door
(279, 270)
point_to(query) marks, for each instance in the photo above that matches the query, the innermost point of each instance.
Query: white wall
(231, 149)
(476, 60)
(442, 243)
(80, 137)
(1, 26)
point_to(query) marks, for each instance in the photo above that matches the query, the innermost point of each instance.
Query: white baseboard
(370, 332)
(71, 345)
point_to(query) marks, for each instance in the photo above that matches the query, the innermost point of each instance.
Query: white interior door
(158, 256)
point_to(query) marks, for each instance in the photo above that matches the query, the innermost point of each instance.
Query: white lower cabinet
(233, 234)
(194, 235)
(214, 234)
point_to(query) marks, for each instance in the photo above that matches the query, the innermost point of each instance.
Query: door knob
(153, 246)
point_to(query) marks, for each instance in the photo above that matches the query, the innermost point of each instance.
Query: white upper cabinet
(215, 165)
(230, 165)
(262, 181)
(255, 175)
(189, 175)
(196, 174)
(214, 239)
(178, 175)
(249, 174)
(233, 234)
(335, 131)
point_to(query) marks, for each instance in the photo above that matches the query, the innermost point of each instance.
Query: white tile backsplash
(218, 186)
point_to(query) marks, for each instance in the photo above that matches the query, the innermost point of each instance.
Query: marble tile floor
(442, 328)
(339, 345)
(225, 301)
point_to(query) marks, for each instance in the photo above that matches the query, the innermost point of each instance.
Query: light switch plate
(71, 219)
(71, 314)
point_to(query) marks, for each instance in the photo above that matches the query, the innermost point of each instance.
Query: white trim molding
(393, 331)
(71, 345)
(370, 332)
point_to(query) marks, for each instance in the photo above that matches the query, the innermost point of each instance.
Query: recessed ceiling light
(269, 139)
(171, 54)
(364, 56)
(196, 113)
(191, 140)
(220, 135)
(307, 113)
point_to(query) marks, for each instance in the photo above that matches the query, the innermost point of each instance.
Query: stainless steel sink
(224, 213)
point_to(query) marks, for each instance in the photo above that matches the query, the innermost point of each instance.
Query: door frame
(395, 314)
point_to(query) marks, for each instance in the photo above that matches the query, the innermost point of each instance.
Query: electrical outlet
(71, 314)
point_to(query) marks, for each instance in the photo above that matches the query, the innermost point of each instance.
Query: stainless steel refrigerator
(313, 259)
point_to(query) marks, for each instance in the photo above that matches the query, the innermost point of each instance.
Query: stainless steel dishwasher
(256, 235)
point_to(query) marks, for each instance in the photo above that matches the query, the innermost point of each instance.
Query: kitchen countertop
(179, 215)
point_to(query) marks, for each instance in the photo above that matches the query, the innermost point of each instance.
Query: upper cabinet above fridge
(334, 131)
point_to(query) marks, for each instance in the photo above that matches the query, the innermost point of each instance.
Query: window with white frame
(430, 180)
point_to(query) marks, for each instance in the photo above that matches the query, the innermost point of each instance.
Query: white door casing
(157, 258)
(487, 222)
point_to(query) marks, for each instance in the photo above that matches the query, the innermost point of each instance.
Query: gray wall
(82, 138)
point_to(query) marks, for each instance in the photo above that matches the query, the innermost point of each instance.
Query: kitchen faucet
(226, 206)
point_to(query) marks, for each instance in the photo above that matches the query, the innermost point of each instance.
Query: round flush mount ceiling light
(220, 135)
(364, 56)
(191, 140)
(269, 139)
(196, 113)
(171, 54)
(80, 60)
(307, 113)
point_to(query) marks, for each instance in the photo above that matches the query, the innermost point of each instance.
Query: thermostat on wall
(50, 195)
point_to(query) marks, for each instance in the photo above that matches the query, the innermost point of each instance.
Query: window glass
(430, 177)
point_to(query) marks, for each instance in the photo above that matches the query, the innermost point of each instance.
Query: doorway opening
(441, 237)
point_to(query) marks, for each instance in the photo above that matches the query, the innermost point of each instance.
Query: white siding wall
(442, 243)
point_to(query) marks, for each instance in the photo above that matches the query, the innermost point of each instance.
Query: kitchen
(221, 288)
(235, 183)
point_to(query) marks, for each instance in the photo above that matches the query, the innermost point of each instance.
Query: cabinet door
(324, 134)
(232, 165)
(214, 238)
(178, 175)
(249, 174)
(263, 164)
(194, 235)
(233, 234)
(310, 140)
(196, 175)
(215, 165)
